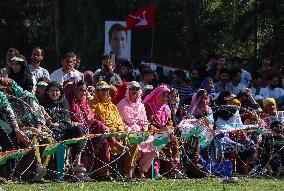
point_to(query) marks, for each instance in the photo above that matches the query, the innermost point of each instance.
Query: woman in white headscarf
(134, 116)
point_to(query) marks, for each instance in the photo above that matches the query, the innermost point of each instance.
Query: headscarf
(237, 102)
(80, 109)
(161, 112)
(199, 107)
(104, 85)
(88, 74)
(133, 114)
(203, 86)
(268, 101)
(121, 91)
(23, 77)
(272, 113)
(88, 77)
(101, 85)
(41, 84)
(106, 111)
(139, 101)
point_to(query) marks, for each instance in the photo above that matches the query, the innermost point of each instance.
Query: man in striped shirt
(180, 84)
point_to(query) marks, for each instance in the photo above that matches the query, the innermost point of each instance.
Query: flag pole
(152, 45)
(153, 32)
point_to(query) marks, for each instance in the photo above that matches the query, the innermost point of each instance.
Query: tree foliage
(185, 30)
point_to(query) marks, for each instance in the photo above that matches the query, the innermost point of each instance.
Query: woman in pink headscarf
(134, 116)
(159, 116)
(199, 104)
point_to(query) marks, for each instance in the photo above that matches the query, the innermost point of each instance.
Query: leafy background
(186, 31)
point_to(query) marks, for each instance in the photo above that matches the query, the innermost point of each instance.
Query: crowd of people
(38, 108)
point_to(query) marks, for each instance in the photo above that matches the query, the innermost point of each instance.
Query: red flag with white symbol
(143, 18)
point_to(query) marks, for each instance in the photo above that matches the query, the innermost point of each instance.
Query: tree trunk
(255, 29)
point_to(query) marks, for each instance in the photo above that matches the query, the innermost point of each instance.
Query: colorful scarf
(133, 114)
(107, 112)
(11, 87)
(161, 112)
(121, 91)
(199, 107)
(80, 109)
(24, 103)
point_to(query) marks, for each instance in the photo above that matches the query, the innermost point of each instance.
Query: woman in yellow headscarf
(106, 112)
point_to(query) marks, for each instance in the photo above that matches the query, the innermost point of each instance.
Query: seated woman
(227, 118)
(20, 73)
(106, 112)
(199, 104)
(270, 110)
(31, 120)
(57, 114)
(135, 119)
(84, 117)
(272, 155)
(9, 134)
(199, 108)
(159, 116)
(272, 158)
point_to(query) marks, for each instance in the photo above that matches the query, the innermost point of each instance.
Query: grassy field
(244, 184)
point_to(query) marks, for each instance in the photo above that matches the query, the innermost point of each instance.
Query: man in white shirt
(35, 69)
(236, 86)
(272, 90)
(67, 71)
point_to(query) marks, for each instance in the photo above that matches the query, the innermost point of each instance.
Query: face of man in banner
(118, 42)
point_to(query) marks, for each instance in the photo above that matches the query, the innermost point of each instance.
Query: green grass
(244, 184)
